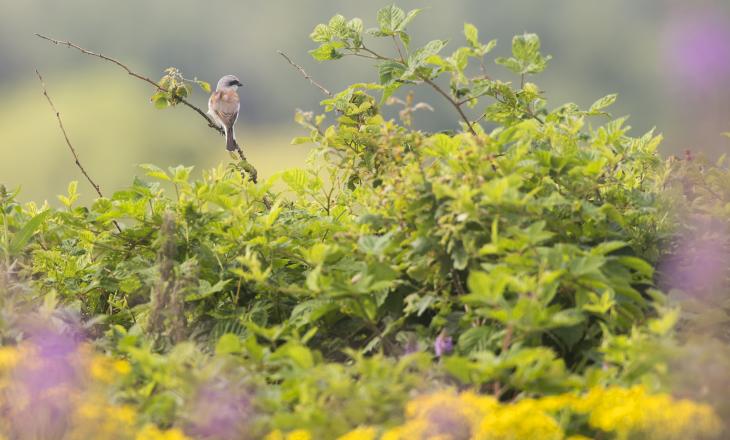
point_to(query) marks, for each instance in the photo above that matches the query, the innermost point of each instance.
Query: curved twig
(304, 73)
(70, 146)
(129, 71)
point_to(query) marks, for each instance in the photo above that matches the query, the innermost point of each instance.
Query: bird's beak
(239, 83)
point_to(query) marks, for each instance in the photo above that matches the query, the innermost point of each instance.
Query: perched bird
(223, 107)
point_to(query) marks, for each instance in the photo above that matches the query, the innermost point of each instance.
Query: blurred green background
(668, 60)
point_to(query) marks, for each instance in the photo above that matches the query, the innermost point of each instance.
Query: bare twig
(207, 118)
(70, 146)
(245, 164)
(305, 74)
(453, 102)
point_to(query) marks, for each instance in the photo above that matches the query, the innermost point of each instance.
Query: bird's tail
(231, 144)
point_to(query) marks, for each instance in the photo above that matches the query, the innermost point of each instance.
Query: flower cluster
(55, 387)
(613, 412)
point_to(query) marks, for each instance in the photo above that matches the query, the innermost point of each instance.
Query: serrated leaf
(472, 35)
(155, 171)
(390, 71)
(390, 18)
(327, 51)
(602, 103)
(321, 34)
(407, 20)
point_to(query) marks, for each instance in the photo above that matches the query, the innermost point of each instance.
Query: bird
(223, 107)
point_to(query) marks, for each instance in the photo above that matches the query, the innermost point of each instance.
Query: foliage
(517, 263)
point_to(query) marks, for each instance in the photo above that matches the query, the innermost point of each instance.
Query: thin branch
(68, 142)
(246, 166)
(305, 74)
(453, 102)
(207, 118)
(397, 46)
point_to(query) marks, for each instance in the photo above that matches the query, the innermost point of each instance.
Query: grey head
(228, 82)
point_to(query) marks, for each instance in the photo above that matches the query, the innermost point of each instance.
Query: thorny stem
(304, 74)
(453, 102)
(70, 146)
(129, 71)
(245, 165)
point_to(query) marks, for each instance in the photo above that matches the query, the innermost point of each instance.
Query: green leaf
(390, 72)
(390, 18)
(299, 355)
(22, 237)
(204, 85)
(526, 57)
(327, 51)
(638, 265)
(205, 290)
(602, 103)
(472, 35)
(321, 34)
(665, 323)
(407, 20)
(228, 344)
(155, 171)
(608, 247)
(482, 286)
(160, 101)
(373, 244)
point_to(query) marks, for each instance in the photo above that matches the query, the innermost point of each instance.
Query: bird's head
(228, 82)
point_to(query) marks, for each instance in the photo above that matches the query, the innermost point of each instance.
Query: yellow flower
(122, 367)
(106, 370)
(152, 432)
(9, 358)
(523, 420)
(299, 434)
(361, 433)
(445, 414)
(633, 412)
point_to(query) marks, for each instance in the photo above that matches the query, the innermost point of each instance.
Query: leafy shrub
(516, 262)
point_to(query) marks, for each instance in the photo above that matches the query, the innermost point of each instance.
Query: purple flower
(699, 265)
(220, 410)
(443, 344)
(697, 48)
(46, 379)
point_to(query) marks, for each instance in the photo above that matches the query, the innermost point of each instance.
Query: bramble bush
(490, 283)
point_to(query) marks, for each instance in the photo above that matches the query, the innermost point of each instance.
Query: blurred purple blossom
(443, 344)
(697, 48)
(45, 381)
(700, 263)
(220, 410)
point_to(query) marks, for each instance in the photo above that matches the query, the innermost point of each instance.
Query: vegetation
(488, 284)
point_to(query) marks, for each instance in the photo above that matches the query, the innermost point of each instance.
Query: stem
(6, 243)
(129, 71)
(397, 47)
(505, 346)
(304, 73)
(70, 146)
(453, 102)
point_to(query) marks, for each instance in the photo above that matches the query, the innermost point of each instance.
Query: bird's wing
(225, 105)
